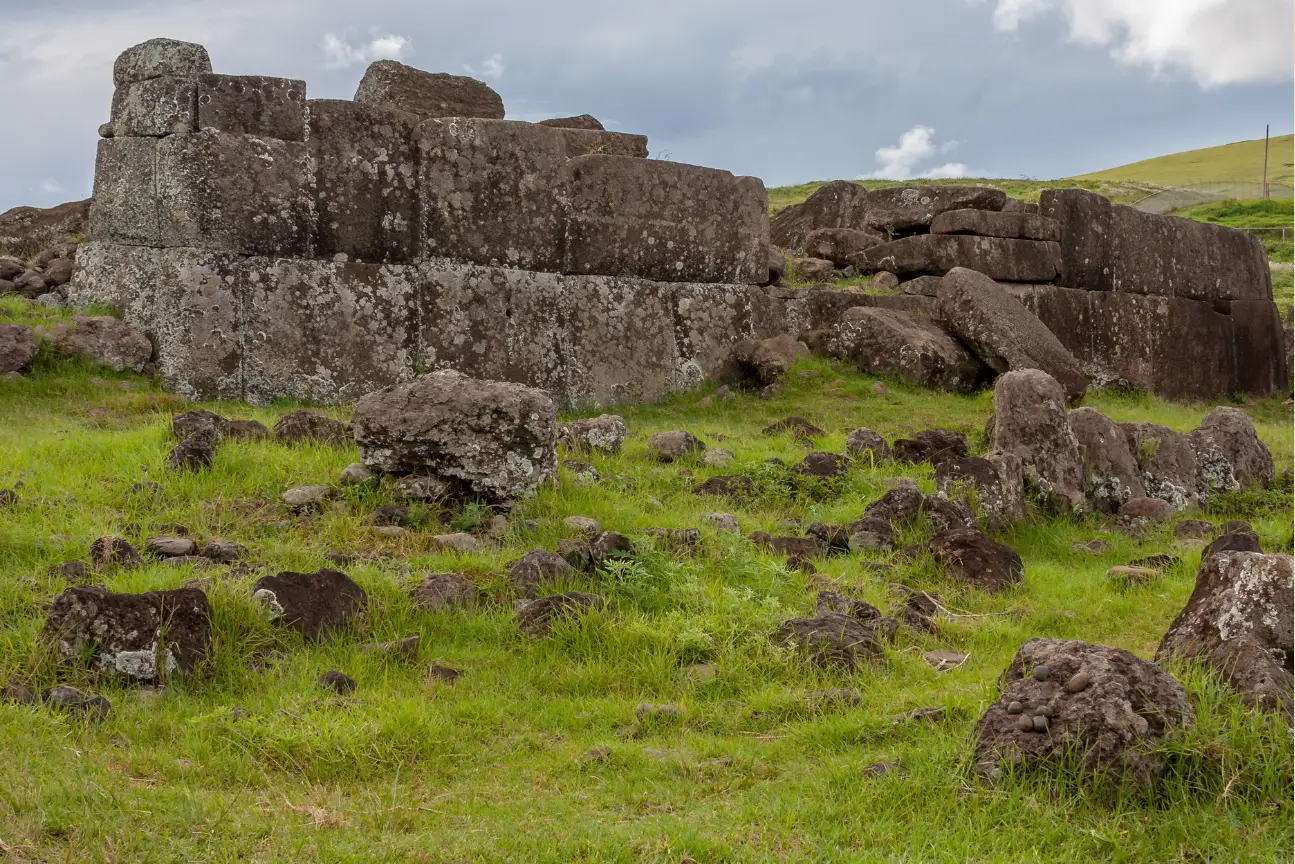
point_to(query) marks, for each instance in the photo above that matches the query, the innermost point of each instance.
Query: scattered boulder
(303, 426)
(495, 439)
(968, 555)
(1030, 423)
(66, 698)
(931, 445)
(792, 547)
(824, 466)
(766, 361)
(680, 541)
(314, 604)
(58, 272)
(891, 342)
(718, 457)
(200, 423)
(725, 522)
(390, 515)
(537, 570)
(838, 204)
(838, 244)
(1238, 622)
(731, 486)
(1150, 509)
(902, 209)
(830, 602)
(863, 443)
(885, 280)
(147, 637)
(1229, 452)
(946, 513)
(608, 545)
(248, 430)
(224, 551)
(11, 268)
(18, 345)
(675, 445)
(812, 269)
(110, 551)
(356, 474)
(105, 341)
(582, 525)
(339, 682)
(832, 640)
(1194, 529)
(1111, 474)
(536, 618)
(30, 285)
(1111, 724)
(603, 434)
(444, 592)
(306, 497)
(1236, 540)
(171, 547)
(1168, 464)
(389, 84)
(1003, 333)
(900, 506)
(870, 533)
(458, 541)
(191, 454)
(796, 427)
(997, 480)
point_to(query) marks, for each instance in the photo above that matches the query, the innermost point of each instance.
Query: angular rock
(838, 204)
(812, 269)
(825, 466)
(112, 551)
(59, 271)
(65, 698)
(389, 84)
(459, 541)
(248, 430)
(1030, 423)
(199, 423)
(156, 107)
(1111, 474)
(536, 618)
(796, 427)
(580, 121)
(314, 604)
(725, 522)
(303, 426)
(936, 254)
(863, 443)
(1194, 529)
(253, 105)
(900, 506)
(122, 208)
(147, 637)
(931, 445)
(171, 547)
(998, 482)
(587, 142)
(158, 57)
(832, 640)
(538, 570)
(1238, 622)
(777, 266)
(1150, 509)
(840, 604)
(356, 474)
(31, 285)
(339, 682)
(731, 486)
(18, 346)
(444, 592)
(1003, 333)
(1233, 540)
(946, 514)
(1168, 463)
(905, 208)
(104, 341)
(839, 244)
(1112, 726)
(603, 434)
(968, 555)
(890, 342)
(767, 361)
(675, 445)
(1229, 452)
(223, 551)
(1012, 224)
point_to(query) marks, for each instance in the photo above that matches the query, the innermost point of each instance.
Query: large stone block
(364, 178)
(233, 193)
(908, 208)
(488, 189)
(909, 347)
(158, 57)
(838, 204)
(325, 331)
(125, 204)
(156, 107)
(388, 84)
(1015, 224)
(710, 319)
(936, 254)
(253, 105)
(115, 275)
(1085, 221)
(665, 221)
(584, 142)
(1260, 347)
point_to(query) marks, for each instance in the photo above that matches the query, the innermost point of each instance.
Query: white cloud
(492, 68)
(50, 186)
(339, 54)
(915, 147)
(1216, 42)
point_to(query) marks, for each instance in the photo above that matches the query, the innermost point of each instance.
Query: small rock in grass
(596, 754)
(536, 618)
(339, 682)
(582, 525)
(943, 660)
(402, 649)
(444, 591)
(796, 427)
(171, 547)
(191, 454)
(538, 569)
(1195, 529)
(248, 430)
(391, 530)
(675, 445)
(717, 458)
(421, 488)
(880, 769)
(304, 497)
(722, 522)
(65, 698)
(302, 426)
(74, 571)
(582, 473)
(391, 514)
(604, 434)
(224, 551)
(608, 545)
(17, 692)
(445, 674)
(1151, 509)
(732, 486)
(457, 542)
(111, 551)
(648, 711)
(199, 423)
(834, 697)
(355, 474)
(1133, 575)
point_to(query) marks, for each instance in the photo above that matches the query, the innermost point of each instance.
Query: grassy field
(1242, 160)
(1026, 190)
(535, 754)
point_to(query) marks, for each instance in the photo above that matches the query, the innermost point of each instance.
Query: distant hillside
(1026, 190)
(1243, 160)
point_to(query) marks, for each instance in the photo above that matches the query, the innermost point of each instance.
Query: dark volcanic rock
(1112, 725)
(248, 430)
(191, 454)
(732, 486)
(142, 636)
(538, 570)
(339, 682)
(1168, 463)
(766, 361)
(825, 466)
(603, 434)
(904, 208)
(1013, 224)
(1030, 422)
(201, 423)
(837, 245)
(937, 254)
(1111, 474)
(389, 84)
(65, 698)
(838, 204)
(313, 604)
(536, 618)
(931, 445)
(901, 505)
(303, 425)
(674, 445)
(792, 547)
(997, 481)
(832, 640)
(866, 444)
(18, 345)
(906, 346)
(105, 341)
(1229, 452)
(796, 427)
(1236, 540)
(947, 514)
(580, 121)
(968, 555)
(444, 591)
(112, 551)
(1238, 622)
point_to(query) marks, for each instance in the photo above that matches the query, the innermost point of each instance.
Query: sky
(822, 89)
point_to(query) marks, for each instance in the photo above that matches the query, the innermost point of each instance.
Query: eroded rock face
(604, 434)
(968, 555)
(536, 618)
(147, 637)
(389, 84)
(839, 244)
(1238, 621)
(766, 361)
(1229, 452)
(18, 345)
(905, 208)
(838, 204)
(1111, 474)
(889, 342)
(1168, 463)
(1030, 423)
(1103, 705)
(832, 640)
(495, 439)
(314, 604)
(997, 480)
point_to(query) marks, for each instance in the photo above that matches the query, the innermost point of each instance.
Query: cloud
(915, 147)
(492, 68)
(50, 186)
(1215, 42)
(339, 54)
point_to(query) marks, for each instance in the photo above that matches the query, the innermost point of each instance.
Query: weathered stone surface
(18, 346)
(1229, 452)
(936, 254)
(1238, 622)
(364, 177)
(537, 571)
(1016, 205)
(766, 361)
(156, 107)
(580, 121)
(905, 208)
(731, 486)
(1150, 509)
(674, 445)
(158, 57)
(59, 271)
(603, 434)
(1168, 463)
(812, 269)
(1111, 473)
(839, 244)
(109, 551)
(171, 547)
(664, 221)
(1003, 333)
(586, 142)
(104, 341)
(968, 555)
(314, 604)
(998, 483)
(301, 498)
(302, 426)
(248, 430)
(901, 505)
(868, 445)
(253, 105)
(147, 637)
(1030, 423)
(199, 423)
(777, 265)
(832, 640)
(444, 592)
(234, 193)
(1235, 539)
(1112, 725)
(824, 466)
(1014, 224)
(909, 347)
(494, 439)
(388, 84)
(124, 208)
(191, 454)
(488, 192)
(536, 618)
(1259, 344)
(930, 445)
(838, 204)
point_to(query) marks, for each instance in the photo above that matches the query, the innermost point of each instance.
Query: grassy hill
(1121, 192)
(1242, 160)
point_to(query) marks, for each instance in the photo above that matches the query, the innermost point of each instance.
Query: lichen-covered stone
(1168, 463)
(603, 434)
(125, 208)
(160, 57)
(936, 254)
(832, 640)
(838, 204)
(1111, 474)
(156, 107)
(586, 142)
(253, 105)
(996, 481)
(1030, 423)
(389, 84)
(905, 208)
(888, 342)
(1229, 452)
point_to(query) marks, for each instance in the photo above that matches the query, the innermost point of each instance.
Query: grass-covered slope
(1241, 160)
(1026, 190)
(252, 760)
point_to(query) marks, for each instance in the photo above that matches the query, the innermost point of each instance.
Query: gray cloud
(789, 95)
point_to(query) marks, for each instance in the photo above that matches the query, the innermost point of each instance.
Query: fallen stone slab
(906, 208)
(580, 121)
(909, 347)
(838, 204)
(1015, 224)
(1003, 333)
(839, 244)
(936, 254)
(314, 604)
(1030, 422)
(921, 286)
(812, 269)
(389, 84)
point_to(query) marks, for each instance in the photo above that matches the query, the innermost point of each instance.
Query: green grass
(1251, 213)
(1026, 190)
(491, 768)
(1242, 160)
